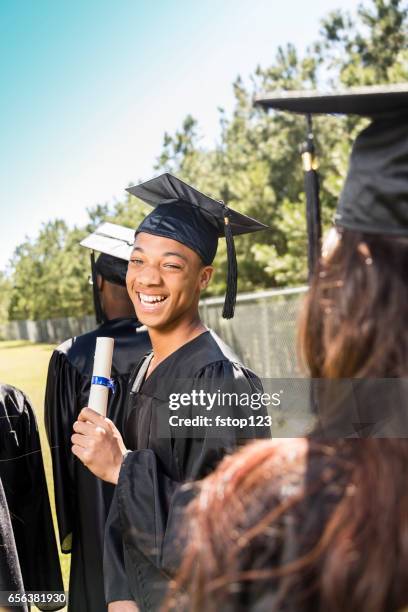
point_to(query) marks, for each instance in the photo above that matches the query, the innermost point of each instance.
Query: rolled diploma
(98, 396)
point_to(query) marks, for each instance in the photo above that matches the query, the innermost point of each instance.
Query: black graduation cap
(185, 214)
(114, 243)
(375, 195)
(365, 101)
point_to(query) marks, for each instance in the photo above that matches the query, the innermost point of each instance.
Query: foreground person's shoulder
(278, 464)
(262, 475)
(14, 400)
(277, 451)
(290, 448)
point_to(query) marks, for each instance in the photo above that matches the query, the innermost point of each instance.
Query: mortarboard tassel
(99, 315)
(232, 274)
(311, 182)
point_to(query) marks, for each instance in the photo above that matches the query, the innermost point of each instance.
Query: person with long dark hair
(320, 523)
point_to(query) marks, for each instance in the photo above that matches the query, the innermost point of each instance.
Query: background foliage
(254, 167)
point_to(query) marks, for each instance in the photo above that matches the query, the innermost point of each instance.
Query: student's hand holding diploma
(98, 444)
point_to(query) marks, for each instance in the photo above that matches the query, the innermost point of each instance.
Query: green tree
(370, 51)
(256, 166)
(5, 293)
(50, 275)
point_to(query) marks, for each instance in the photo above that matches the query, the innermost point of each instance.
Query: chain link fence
(52, 331)
(263, 330)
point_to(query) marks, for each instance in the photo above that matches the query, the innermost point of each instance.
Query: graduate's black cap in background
(114, 243)
(196, 220)
(374, 198)
(365, 101)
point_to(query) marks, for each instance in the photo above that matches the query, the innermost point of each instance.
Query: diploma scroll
(101, 380)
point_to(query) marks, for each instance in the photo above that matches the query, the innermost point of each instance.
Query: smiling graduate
(170, 265)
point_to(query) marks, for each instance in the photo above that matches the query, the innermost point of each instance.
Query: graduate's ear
(206, 273)
(99, 282)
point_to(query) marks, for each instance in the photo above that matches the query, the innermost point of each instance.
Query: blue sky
(90, 86)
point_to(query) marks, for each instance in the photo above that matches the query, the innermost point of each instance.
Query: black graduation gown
(82, 500)
(10, 571)
(25, 488)
(141, 531)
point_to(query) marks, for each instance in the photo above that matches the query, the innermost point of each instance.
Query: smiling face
(164, 281)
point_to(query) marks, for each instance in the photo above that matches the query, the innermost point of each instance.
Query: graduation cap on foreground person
(196, 220)
(375, 194)
(115, 244)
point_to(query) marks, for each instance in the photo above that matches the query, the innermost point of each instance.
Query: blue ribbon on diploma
(105, 382)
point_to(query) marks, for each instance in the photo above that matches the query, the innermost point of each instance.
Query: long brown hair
(312, 525)
(354, 322)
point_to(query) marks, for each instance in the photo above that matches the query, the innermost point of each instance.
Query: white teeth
(151, 299)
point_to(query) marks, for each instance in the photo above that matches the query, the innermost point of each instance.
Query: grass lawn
(24, 365)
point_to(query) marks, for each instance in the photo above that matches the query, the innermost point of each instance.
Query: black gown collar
(169, 363)
(185, 363)
(176, 355)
